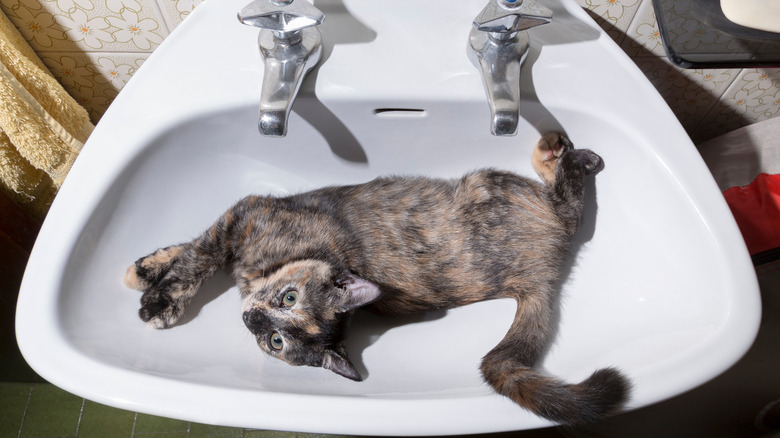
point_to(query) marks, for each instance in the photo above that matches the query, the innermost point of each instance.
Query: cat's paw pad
(148, 270)
(547, 152)
(551, 146)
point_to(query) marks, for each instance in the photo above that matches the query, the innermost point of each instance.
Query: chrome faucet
(290, 46)
(499, 44)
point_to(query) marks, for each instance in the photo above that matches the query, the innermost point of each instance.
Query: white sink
(660, 285)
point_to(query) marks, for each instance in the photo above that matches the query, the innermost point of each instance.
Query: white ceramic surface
(660, 284)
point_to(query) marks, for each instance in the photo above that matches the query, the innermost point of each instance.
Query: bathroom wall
(94, 46)
(708, 102)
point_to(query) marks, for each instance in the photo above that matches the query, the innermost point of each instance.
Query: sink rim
(107, 391)
(99, 167)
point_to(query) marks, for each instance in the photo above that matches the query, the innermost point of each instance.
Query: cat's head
(299, 313)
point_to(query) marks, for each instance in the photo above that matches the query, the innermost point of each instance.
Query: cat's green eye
(290, 298)
(276, 341)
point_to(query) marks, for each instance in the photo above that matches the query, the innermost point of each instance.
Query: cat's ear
(340, 364)
(361, 291)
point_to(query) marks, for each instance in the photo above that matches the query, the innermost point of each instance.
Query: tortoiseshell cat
(305, 262)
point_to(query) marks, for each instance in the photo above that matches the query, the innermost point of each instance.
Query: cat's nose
(251, 319)
(256, 321)
(248, 318)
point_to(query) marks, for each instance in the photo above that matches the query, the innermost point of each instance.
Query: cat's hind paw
(547, 153)
(584, 162)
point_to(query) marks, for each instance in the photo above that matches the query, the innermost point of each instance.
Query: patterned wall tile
(614, 15)
(707, 102)
(754, 96)
(93, 78)
(88, 25)
(686, 100)
(691, 94)
(175, 11)
(643, 35)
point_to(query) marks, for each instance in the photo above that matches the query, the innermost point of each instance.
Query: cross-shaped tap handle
(510, 16)
(281, 15)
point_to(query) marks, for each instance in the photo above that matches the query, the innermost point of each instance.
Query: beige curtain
(42, 128)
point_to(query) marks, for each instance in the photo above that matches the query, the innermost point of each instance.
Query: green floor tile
(277, 434)
(99, 421)
(52, 412)
(161, 435)
(150, 424)
(269, 434)
(13, 402)
(206, 431)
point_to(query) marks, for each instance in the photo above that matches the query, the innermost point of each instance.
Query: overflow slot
(400, 113)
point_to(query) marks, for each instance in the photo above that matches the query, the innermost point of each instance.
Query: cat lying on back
(305, 262)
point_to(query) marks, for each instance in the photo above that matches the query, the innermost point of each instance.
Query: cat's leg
(547, 153)
(563, 169)
(567, 193)
(170, 277)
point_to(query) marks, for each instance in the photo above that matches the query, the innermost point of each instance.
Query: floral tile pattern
(752, 97)
(94, 46)
(87, 25)
(707, 102)
(93, 78)
(614, 15)
(691, 94)
(175, 11)
(643, 35)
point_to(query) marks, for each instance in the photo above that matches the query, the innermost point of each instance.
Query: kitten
(401, 245)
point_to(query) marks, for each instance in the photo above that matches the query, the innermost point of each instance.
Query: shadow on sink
(339, 27)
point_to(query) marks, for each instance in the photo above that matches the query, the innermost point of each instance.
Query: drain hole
(400, 112)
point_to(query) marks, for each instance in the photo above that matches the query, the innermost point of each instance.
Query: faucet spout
(499, 61)
(290, 46)
(499, 43)
(286, 61)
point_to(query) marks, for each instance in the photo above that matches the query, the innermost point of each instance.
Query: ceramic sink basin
(660, 282)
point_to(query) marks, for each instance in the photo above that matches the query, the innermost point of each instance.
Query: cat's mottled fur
(305, 262)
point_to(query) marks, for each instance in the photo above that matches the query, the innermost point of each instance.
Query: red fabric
(756, 207)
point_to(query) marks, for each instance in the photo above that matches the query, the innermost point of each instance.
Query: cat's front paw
(160, 310)
(166, 292)
(548, 151)
(149, 270)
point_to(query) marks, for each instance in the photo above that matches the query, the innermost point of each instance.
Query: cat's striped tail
(594, 398)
